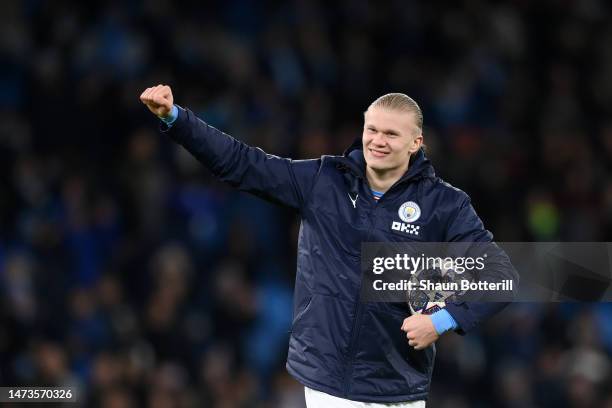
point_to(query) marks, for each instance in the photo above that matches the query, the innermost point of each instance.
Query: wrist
(170, 117)
(443, 321)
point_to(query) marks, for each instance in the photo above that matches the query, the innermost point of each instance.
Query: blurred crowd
(127, 272)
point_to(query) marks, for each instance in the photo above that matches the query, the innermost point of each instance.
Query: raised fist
(158, 99)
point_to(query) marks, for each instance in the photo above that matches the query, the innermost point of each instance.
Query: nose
(379, 139)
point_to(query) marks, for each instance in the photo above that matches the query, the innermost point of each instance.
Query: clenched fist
(420, 331)
(159, 100)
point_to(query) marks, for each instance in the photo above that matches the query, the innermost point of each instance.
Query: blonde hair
(400, 102)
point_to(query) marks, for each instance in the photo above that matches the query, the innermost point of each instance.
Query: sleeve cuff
(443, 321)
(171, 118)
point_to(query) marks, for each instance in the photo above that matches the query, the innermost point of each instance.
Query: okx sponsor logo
(408, 212)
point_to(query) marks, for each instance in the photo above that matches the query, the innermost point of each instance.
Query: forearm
(218, 151)
(247, 168)
(474, 308)
(470, 315)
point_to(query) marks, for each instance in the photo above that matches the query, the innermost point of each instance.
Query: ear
(416, 143)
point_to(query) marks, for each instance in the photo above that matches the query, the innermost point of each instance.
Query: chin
(375, 165)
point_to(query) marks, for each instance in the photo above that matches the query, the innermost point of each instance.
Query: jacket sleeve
(283, 181)
(467, 227)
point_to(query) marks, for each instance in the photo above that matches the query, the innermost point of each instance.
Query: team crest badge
(409, 211)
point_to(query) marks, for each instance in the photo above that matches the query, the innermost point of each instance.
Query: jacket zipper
(358, 311)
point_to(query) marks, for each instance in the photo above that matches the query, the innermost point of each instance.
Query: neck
(382, 180)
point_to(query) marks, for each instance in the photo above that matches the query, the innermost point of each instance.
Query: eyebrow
(386, 131)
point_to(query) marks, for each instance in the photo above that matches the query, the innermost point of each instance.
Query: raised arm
(280, 180)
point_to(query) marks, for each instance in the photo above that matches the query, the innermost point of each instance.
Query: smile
(377, 153)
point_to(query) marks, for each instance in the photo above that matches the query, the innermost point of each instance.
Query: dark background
(127, 271)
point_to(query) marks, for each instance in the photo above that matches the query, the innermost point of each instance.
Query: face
(389, 138)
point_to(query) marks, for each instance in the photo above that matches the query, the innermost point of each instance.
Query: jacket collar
(419, 167)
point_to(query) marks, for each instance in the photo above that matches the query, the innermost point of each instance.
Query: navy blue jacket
(338, 344)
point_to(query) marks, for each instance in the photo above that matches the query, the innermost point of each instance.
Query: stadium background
(126, 270)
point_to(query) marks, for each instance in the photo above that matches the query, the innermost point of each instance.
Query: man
(344, 351)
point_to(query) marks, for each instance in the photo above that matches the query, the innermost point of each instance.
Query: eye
(371, 130)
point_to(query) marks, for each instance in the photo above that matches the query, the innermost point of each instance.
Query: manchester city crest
(409, 211)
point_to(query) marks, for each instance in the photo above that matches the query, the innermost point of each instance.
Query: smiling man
(392, 134)
(344, 351)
